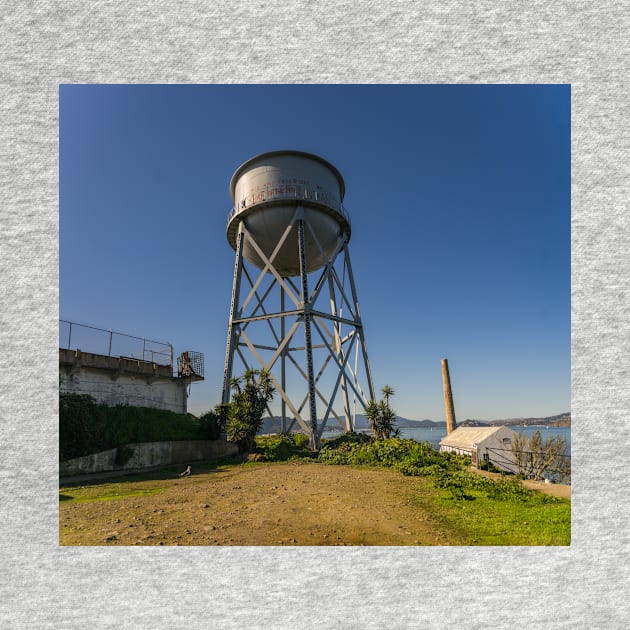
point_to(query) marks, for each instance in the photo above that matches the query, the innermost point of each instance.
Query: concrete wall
(148, 455)
(119, 381)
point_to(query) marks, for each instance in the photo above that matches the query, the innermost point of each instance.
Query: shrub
(275, 448)
(346, 438)
(337, 450)
(411, 466)
(382, 452)
(408, 456)
(458, 482)
(279, 448)
(340, 455)
(301, 440)
(86, 427)
(212, 423)
(489, 466)
(508, 489)
(82, 426)
(142, 424)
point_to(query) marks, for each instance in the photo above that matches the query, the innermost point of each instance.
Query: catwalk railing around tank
(111, 343)
(287, 193)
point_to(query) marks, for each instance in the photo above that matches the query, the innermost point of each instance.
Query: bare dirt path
(279, 504)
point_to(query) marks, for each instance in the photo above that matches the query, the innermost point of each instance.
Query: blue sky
(460, 206)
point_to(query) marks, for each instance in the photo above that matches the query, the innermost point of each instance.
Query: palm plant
(387, 391)
(381, 416)
(247, 407)
(235, 383)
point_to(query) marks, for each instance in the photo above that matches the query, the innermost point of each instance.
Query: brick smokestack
(451, 423)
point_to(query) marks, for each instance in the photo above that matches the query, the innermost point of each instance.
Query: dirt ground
(280, 504)
(296, 503)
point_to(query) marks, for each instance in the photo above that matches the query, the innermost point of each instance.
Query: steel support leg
(234, 312)
(355, 299)
(307, 337)
(283, 368)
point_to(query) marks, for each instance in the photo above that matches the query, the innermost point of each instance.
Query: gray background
(46, 43)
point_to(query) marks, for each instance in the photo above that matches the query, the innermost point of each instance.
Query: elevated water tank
(267, 189)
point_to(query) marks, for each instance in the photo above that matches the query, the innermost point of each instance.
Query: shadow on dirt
(157, 474)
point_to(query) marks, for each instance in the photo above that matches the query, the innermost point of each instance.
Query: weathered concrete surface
(148, 455)
(119, 381)
(71, 358)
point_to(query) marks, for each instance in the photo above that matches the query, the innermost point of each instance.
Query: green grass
(138, 484)
(481, 520)
(107, 492)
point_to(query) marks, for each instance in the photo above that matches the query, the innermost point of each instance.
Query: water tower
(294, 309)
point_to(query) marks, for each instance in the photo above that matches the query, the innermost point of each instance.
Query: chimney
(451, 423)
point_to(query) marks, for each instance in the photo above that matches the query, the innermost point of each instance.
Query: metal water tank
(267, 189)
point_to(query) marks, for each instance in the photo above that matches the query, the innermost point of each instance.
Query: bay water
(433, 435)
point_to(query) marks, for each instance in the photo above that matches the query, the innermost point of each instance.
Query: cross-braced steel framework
(315, 352)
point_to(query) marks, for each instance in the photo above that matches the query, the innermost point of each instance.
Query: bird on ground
(185, 473)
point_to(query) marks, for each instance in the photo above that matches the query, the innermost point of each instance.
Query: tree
(519, 448)
(387, 391)
(533, 456)
(212, 423)
(381, 416)
(252, 392)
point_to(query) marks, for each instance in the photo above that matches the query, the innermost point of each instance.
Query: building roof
(466, 437)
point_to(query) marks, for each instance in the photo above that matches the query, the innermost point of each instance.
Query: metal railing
(73, 336)
(531, 464)
(190, 364)
(266, 194)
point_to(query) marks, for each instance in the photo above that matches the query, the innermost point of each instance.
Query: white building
(493, 444)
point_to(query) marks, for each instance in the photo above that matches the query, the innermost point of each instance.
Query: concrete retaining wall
(148, 455)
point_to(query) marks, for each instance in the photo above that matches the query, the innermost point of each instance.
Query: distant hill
(403, 423)
(272, 425)
(561, 420)
(473, 423)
